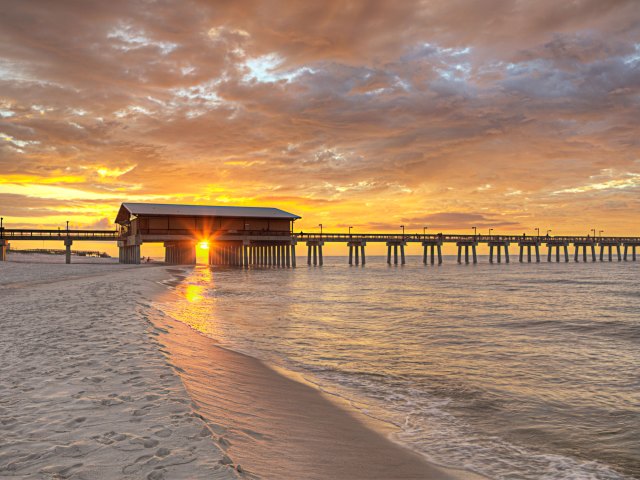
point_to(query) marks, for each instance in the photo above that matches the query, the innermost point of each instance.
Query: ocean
(514, 371)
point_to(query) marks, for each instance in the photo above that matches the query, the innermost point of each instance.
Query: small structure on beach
(236, 235)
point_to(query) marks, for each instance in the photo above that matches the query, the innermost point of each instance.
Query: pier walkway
(278, 248)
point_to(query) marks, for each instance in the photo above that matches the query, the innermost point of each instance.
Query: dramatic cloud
(496, 114)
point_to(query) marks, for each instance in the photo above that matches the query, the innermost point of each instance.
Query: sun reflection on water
(197, 310)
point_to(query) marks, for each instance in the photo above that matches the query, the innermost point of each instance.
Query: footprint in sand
(156, 475)
(61, 471)
(136, 466)
(76, 422)
(163, 433)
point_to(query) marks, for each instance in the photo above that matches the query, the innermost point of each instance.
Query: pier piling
(356, 250)
(395, 244)
(500, 245)
(4, 245)
(432, 245)
(315, 247)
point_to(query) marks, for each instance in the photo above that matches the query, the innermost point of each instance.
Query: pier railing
(452, 238)
(40, 234)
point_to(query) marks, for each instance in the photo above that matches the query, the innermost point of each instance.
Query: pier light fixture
(350, 230)
(320, 225)
(424, 231)
(548, 232)
(601, 232)
(490, 230)
(67, 225)
(1, 220)
(475, 231)
(537, 229)
(594, 231)
(402, 227)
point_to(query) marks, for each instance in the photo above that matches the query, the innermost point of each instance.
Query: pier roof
(152, 209)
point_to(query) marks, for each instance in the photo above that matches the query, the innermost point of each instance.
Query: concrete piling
(632, 246)
(4, 246)
(500, 245)
(67, 254)
(356, 250)
(314, 247)
(431, 245)
(395, 244)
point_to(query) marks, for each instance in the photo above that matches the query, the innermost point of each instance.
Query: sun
(204, 245)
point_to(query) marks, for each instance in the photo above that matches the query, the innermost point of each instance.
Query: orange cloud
(377, 114)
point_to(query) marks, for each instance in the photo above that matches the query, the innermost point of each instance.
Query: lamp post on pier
(601, 232)
(402, 227)
(350, 231)
(475, 232)
(320, 225)
(594, 232)
(538, 231)
(424, 232)
(548, 231)
(490, 230)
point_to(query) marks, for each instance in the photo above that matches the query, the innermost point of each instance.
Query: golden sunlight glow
(193, 293)
(204, 245)
(114, 172)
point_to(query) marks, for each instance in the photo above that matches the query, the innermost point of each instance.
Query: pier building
(237, 236)
(265, 237)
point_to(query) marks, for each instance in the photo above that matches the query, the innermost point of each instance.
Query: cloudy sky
(496, 114)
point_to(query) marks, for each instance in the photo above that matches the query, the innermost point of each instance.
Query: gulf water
(515, 371)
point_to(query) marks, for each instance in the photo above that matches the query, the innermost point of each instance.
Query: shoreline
(100, 383)
(85, 391)
(280, 424)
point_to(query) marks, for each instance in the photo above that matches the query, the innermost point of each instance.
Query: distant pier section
(265, 237)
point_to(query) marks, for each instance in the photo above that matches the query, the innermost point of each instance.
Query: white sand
(85, 391)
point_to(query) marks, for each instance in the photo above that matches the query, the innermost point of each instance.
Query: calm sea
(519, 371)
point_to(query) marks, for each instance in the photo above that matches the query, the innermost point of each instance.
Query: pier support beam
(315, 247)
(67, 247)
(355, 248)
(465, 245)
(293, 254)
(558, 245)
(528, 243)
(4, 246)
(632, 246)
(585, 245)
(432, 245)
(180, 253)
(500, 245)
(395, 244)
(609, 245)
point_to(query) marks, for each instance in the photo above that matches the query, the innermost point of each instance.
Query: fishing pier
(265, 237)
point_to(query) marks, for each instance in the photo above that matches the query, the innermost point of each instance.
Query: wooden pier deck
(277, 248)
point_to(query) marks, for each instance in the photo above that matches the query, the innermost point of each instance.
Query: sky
(450, 114)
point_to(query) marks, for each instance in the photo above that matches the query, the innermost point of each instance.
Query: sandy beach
(85, 391)
(93, 386)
